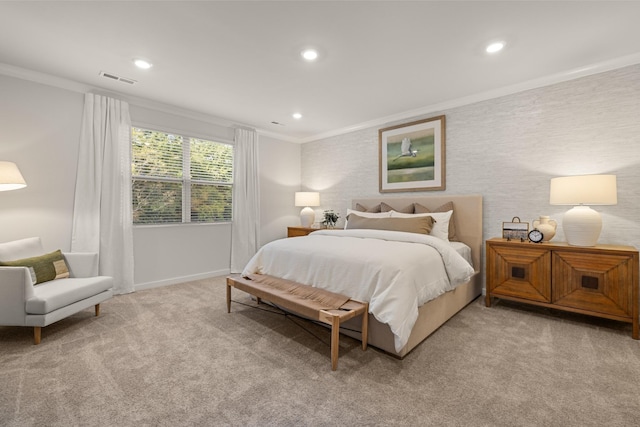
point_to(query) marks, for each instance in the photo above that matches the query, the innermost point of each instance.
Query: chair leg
(97, 310)
(37, 334)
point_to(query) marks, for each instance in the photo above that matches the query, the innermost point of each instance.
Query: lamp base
(582, 226)
(307, 217)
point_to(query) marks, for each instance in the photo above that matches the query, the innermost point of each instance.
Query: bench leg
(228, 298)
(37, 334)
(97, 310)
(335, 342)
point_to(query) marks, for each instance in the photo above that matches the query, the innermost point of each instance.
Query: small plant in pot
(330, 218)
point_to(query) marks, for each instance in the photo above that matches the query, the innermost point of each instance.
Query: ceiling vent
(118, 78)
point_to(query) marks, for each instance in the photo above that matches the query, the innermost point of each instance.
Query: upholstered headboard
(467, 216)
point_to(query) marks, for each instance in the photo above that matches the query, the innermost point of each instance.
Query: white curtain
(102, 217)
(245, 230)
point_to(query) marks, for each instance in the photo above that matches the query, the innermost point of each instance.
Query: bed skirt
(431, 316)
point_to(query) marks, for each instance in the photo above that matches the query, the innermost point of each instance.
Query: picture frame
(412, 156)
(515, 230)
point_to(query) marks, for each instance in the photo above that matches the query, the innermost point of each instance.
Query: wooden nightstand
(600, 281)
(299, 231)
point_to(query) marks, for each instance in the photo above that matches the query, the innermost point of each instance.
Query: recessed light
(495, 47)
(141, 63)
(297, 116)
(310, 54)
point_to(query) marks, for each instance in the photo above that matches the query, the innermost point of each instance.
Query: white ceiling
(380, 61)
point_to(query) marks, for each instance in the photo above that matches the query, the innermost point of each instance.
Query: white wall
(279, 180)
(41, 129)
(508, 148)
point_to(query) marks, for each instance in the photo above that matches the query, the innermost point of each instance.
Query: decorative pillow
(386, 208)
(363, 208)
(441, 222)
(418, 208)
(43, 268)
(420, 225)
(23, 248)
(351, 212)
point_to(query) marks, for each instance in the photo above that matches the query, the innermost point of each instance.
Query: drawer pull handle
(589, 282)
(517, 272)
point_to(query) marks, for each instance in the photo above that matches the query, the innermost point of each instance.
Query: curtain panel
(102, 216)
(245, 230)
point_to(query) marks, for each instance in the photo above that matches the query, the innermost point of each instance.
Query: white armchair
(25, 304)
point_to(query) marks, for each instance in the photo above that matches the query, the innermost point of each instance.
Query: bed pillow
(374, 209)
(441, 222)
(365, 215)
(418, 208)
(420, 224)
(386, 208)
(43, 268)
(23, 248)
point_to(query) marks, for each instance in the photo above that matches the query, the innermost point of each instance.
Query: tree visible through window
(180, 179)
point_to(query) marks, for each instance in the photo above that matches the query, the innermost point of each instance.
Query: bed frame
(468, 221)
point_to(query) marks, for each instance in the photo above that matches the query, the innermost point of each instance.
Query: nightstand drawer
(299, 231)
(594, 282)
(521, 272)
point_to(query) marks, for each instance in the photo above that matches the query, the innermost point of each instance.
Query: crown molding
(63, 83)
(42, 78)
(600, 67)
(71, 85)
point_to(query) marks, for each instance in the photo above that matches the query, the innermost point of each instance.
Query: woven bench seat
(316, 304)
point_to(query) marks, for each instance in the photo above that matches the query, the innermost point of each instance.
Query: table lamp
(581, 224)
(10, 177)
(307, 199)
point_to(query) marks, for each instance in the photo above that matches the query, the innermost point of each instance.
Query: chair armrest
(15, 290)
(82, 264)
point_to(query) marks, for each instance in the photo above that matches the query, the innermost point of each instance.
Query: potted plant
(330, 218)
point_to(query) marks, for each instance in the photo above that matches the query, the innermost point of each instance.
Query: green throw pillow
(44, 267)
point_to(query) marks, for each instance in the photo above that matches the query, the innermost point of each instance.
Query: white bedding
(463, 250)
(395, 272)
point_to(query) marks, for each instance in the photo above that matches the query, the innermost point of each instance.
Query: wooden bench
(293, 303)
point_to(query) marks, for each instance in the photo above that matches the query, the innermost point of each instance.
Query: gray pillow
(374, 209)
(388, 208)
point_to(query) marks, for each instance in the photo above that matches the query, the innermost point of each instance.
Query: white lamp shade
(10, 177)
(307, 198)
(582, 225)
(583, 190)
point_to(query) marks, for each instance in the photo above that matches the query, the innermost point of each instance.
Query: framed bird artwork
(412, 156)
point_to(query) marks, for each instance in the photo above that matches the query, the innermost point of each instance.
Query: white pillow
(440, 227)
(366, 215)
(20, 249)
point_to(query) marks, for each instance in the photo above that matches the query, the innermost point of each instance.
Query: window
(177, 179)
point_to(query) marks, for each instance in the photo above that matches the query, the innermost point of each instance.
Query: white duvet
(395, 272)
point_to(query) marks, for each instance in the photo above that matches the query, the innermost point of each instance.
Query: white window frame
(186, 180)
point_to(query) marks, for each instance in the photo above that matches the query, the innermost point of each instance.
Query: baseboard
(182, 279)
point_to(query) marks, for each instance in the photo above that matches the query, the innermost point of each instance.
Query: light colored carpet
(172, 356)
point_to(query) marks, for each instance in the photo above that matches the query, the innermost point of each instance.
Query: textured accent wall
(508, 148)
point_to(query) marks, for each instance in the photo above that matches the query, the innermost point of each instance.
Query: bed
(402, 313)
